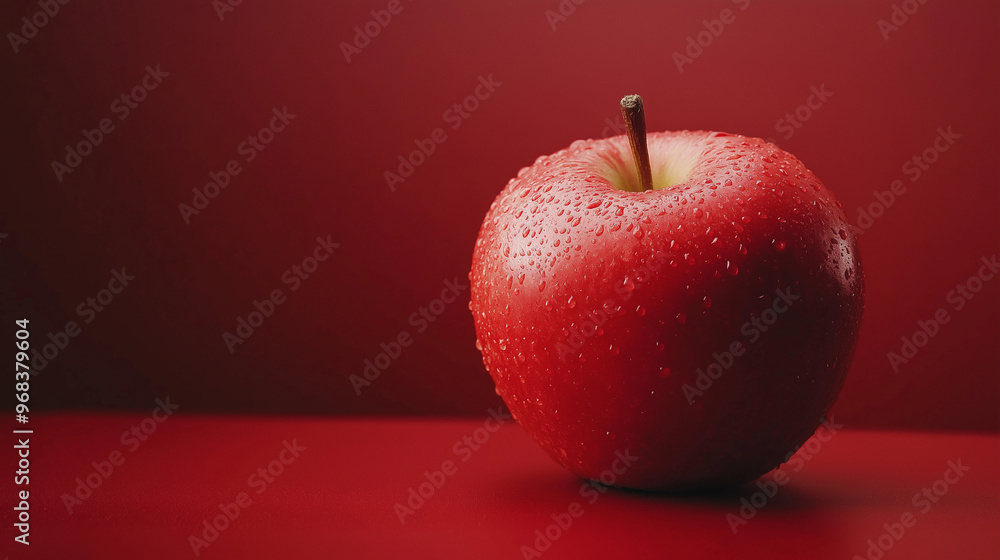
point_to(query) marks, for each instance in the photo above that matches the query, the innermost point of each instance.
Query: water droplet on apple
(520, 357)
(594, 203)
(479, 345)
(638, 233)
(520, 278)
(614, 350)
(660, 346)
(503, 344)
(571, 302)
(843, 234)
(641, 311)
(664, 371)
(681, 318)
(706, 302)
(732, 269)
(778, 245)
(541, 286)
(628, 284)
(620, 211)
(600, 230)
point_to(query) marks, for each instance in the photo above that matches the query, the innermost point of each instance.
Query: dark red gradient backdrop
(323, 176)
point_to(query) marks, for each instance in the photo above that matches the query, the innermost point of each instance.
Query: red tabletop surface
(336, 495)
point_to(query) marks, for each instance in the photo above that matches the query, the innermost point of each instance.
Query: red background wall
(324, 175)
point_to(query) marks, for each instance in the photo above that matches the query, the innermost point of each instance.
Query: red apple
(704, 325)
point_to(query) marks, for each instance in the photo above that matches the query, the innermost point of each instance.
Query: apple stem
(635, 127)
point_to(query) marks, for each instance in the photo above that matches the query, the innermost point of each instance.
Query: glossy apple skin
(678, 273)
